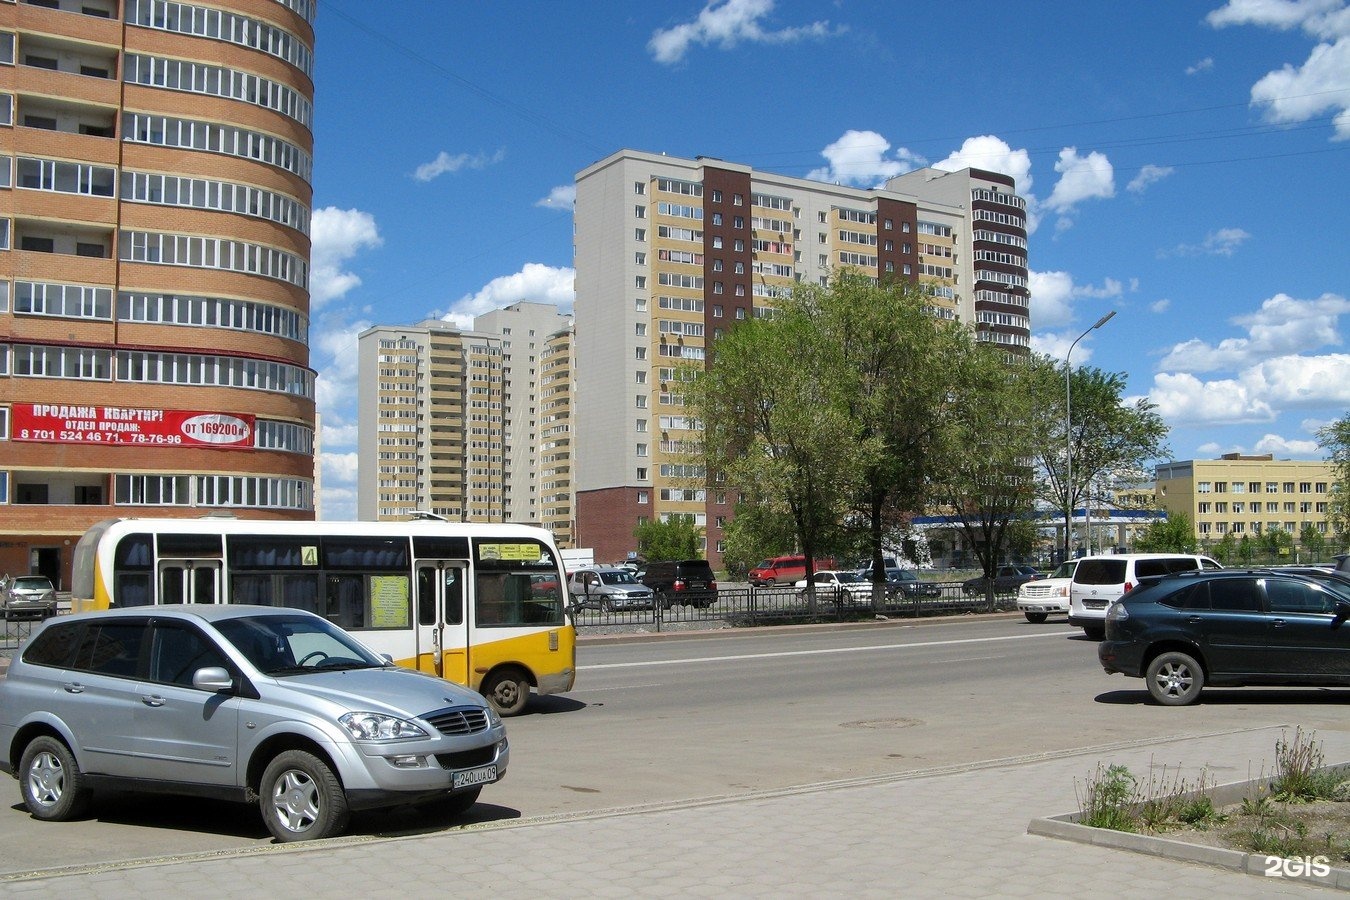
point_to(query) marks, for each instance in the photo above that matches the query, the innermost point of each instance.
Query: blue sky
(1186, 164)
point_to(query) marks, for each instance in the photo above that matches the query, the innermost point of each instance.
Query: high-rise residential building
(449, 418)
(154, 266)
(556, 503)
(671, 252)
(1246, 495)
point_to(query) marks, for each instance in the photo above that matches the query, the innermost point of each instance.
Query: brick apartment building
(154, 266)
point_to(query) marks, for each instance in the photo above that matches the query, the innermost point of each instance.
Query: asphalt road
(676, 718)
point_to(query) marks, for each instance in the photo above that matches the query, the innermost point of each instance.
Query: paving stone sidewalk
(957, 833)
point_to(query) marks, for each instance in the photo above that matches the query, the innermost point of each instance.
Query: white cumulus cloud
(1203, 65)
(1282, 326)
(337, 235)
(561, 198)
(1223, 242)
(727, 23)
(1294, 94)
(989, 152)
(859, 157)
(445, 162)
(1148, 175)
(1082, 178)
(535, 281)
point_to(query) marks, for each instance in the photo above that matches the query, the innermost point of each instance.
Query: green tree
(1174, 534)
(1336, 438)
(1226, 550)
(1109, 439)
(881, 341)
(756, 532)
(986, 480)
(674, 538)
(1313, 542)
(776, 423)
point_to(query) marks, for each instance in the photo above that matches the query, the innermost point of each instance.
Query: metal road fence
(788, 605)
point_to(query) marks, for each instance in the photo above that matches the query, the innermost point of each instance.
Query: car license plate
(485, 775)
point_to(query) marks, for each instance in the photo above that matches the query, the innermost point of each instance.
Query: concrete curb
(1065, 827)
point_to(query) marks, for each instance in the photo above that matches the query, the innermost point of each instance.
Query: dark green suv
(1230, 628)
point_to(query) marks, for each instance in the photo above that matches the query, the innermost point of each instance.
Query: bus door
(189, 581)
(442, 629)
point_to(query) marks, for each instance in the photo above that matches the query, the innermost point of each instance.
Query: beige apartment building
(155, 200)
(671, 252)
(451, 421)
(1246, 495)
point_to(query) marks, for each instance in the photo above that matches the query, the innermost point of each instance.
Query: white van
(1099, 581)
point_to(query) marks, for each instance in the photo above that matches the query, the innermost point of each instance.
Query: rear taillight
(1128, 586)
(712, 585)
(679, 584)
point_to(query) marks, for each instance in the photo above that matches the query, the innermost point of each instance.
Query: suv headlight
(368, 726)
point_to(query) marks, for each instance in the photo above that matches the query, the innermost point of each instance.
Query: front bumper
(380, 780)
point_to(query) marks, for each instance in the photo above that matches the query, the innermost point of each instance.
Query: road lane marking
(821, 652)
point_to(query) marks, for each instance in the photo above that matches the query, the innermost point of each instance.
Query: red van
(784, 570)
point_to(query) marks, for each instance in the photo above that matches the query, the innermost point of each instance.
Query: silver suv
(247, 703)
(608, 589)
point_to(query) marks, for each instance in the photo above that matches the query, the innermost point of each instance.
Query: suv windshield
(284, 644)
(1065, 570)
(624, 577)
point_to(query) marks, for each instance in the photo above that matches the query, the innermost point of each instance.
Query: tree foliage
(1108, 437)
(1174, 534)
(776, 424)
(674, 538)
(985, 480)
(1335, 437)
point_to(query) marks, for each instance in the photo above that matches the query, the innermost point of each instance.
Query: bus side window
(133, 590)
(426, 596)
(454, 597)
(346, 604)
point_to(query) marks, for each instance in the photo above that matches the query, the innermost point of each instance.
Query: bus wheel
(507, 690)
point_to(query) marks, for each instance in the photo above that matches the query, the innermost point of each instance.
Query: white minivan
(1099, 581)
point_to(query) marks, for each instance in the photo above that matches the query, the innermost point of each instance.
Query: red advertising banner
(129, 426)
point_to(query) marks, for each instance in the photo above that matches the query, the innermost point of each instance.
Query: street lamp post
(1068, 434)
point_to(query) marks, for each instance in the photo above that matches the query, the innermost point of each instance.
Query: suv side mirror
(213, 678)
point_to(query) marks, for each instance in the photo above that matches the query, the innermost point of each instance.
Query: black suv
(1230, 628)
(688, 581)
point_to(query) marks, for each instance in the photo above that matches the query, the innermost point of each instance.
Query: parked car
(905, 585)
(1186, 631)
(688, 581)
(838, 587)
(1099, 581)
(1007, 579)
(783, 570)
(243, 703)
(1039, 599)
(607, 589)
(28, 595)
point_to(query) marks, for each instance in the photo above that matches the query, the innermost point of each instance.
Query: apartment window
(886, 224)
(737, 200)
(1202, 509)
(738, 222)
(640, 282)
(7, 48)
(823, 217)
(641, 353)
(1253, 487)
(640, 304)
(640, 235)
(642, 495)
(639, 212)
(1220, 487)
(640, 450)
(1239, 508)
(1288, 487)
(738, 245)
(1204, 487)
(717, 265)
(717, 196)
(1239, 487)
(640, 258)
(717, 218)
(640, 401)
(717, 311)
(640, 425)
(641, 376)
(717, 242)
(1272, 487)
(1305, 487)
(1221, 506)
(1321, 487)
(640, 187)
(38, 244)
(640, 329)
(740, 310)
